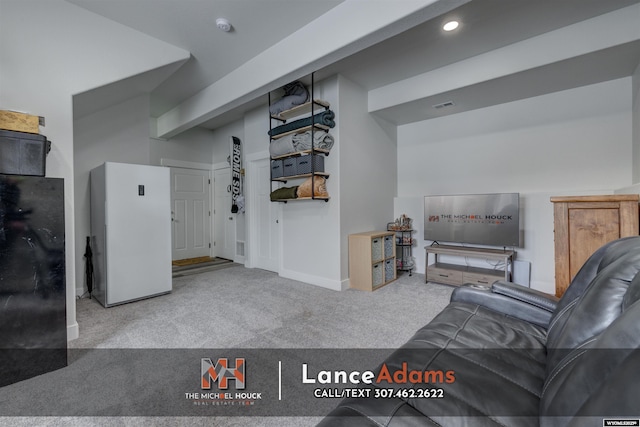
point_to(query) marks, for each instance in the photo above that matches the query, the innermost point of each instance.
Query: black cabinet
(33, 324)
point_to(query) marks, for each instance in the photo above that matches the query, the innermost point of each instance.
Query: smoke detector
(223, 24)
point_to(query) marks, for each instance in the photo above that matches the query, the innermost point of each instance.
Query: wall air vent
(443, 105)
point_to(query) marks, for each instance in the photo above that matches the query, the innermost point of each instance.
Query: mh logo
(221, 372)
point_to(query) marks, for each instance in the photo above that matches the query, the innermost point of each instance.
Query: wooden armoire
(584, 223)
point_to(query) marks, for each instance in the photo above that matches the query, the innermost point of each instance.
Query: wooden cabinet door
(583, 224)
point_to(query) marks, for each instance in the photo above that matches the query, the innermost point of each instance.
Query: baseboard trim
(73, 331)
(323, 282)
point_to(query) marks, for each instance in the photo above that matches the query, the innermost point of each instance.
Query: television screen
(482, 219)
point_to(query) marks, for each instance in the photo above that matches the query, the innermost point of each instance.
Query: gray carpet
(253, 308)
(239, 308)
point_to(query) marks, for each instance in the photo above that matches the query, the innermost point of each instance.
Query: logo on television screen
(472, 218)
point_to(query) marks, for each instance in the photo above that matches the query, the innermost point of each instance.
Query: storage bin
(389, 270)
(303, 164)
(19, 122)
(289, 167)
(23, 153)
(377, 274)
(388, 246)
(276, 169)
(376, 249)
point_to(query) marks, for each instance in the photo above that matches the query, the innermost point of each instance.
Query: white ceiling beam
(599, 33)
(344, 30)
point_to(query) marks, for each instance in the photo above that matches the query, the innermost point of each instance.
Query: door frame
(202, 166)
(221, 213)
(252, 214)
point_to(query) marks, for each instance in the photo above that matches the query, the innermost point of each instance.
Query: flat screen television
(481, 219)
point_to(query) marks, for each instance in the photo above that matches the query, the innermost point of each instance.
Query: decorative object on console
(402, 223)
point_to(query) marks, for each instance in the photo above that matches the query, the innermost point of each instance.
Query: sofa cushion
(603, 372)
(601, 303)
(600, 259)
(498, 363)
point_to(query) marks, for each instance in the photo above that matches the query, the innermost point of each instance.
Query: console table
(456, 274)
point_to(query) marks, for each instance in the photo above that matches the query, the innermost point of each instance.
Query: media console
(457, 274)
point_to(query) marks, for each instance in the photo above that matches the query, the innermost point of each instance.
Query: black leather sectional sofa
(511, 356)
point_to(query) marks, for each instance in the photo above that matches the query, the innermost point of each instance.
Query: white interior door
(266, 216)
(224, 221)
(190, 213)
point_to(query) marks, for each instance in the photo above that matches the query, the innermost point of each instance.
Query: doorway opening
(190, 266)
(190, 213)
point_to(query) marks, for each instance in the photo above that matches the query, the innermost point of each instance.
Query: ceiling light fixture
(450, 26)
(223, 24)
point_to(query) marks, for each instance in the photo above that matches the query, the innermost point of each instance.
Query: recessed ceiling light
(450, 26)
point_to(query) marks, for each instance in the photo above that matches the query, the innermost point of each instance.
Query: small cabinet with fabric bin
(372, 259)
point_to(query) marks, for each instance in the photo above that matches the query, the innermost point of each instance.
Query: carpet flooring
(230, 308)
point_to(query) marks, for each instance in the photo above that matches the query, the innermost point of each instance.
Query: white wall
(566, 143)
(194, 145)
(51, 50)
(116, 134)
(220, 141)
(311, 228)
(636, 124)
(120, 133)
(368, 168)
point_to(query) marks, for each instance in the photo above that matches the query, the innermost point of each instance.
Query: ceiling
(191, 25)
(258, 24)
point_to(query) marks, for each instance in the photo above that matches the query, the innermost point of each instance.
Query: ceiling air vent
(443, 105)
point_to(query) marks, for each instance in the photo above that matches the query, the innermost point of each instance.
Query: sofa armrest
(520, 308)
(531, 296)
